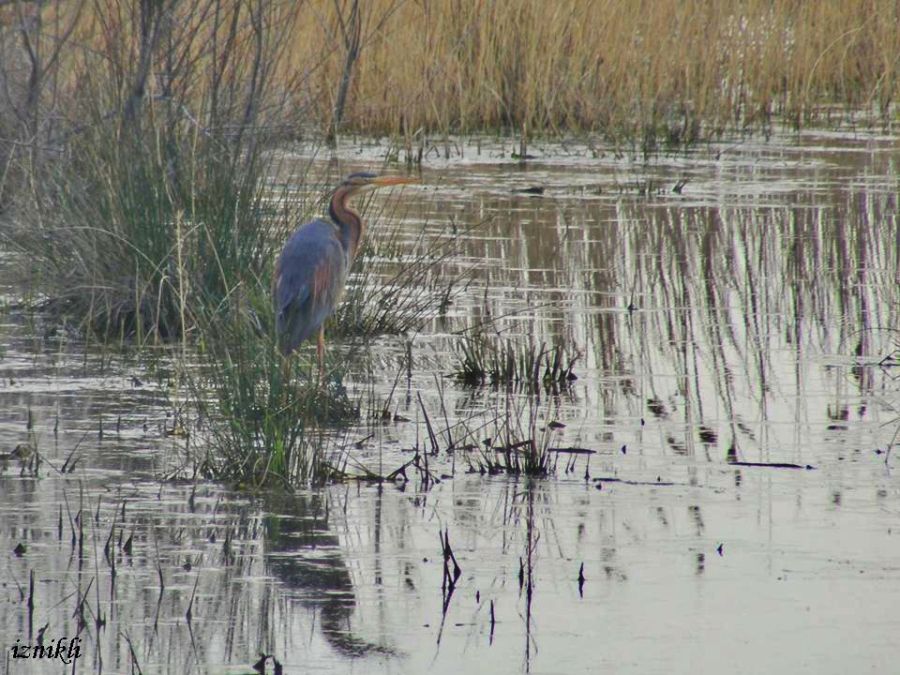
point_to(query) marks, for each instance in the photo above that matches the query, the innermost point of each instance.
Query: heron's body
(312, 269)
(309, 281)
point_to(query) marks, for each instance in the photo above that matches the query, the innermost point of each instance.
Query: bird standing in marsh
(312, 269)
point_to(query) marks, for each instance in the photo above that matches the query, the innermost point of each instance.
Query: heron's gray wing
(309, 275)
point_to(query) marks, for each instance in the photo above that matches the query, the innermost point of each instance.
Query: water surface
(749, 316)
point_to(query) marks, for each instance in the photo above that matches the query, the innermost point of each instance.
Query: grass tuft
(267, 415)
(497, 361)
(519, 441)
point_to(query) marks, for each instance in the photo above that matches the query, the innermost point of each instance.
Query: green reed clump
(266, 415)
(492, 359)
(147, 195)
(526, 457)
(137, 250)
(132, 234)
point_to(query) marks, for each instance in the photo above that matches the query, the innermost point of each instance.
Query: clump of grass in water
(266, 413)
(519, 443)
(201, 274)
(492, 359)
(515, 438)
(155, 198)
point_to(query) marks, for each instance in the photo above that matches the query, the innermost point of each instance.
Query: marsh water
(735, 314)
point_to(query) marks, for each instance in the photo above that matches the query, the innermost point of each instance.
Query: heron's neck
(347, 220)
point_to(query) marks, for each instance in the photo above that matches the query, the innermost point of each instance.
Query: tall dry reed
(649, 72)
(673, 70)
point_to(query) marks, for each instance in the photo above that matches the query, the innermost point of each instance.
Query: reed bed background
(678, 70)
(649, 73)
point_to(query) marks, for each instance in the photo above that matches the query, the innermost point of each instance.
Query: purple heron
(312, 269)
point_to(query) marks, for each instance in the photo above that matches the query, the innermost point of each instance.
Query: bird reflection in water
(323, 581)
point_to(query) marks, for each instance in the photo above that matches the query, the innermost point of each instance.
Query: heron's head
(366, 182)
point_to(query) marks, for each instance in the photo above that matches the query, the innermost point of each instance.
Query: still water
(735, 313)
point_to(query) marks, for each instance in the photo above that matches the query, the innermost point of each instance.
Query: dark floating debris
(657, 407)
(731, 454)
(601, 479)
(533, 190)
(890, 361)
(22, 452)
(572, 450)
(774, 465)
(20, 550)
(493, 623)
(707, 436)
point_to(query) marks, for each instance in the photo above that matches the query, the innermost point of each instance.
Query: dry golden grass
(670, 69)
(649, 71)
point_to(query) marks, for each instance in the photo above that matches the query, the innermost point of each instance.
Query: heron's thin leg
(320, 351)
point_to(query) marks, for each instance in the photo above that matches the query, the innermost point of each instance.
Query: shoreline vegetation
(137, 137)
(653, 74)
